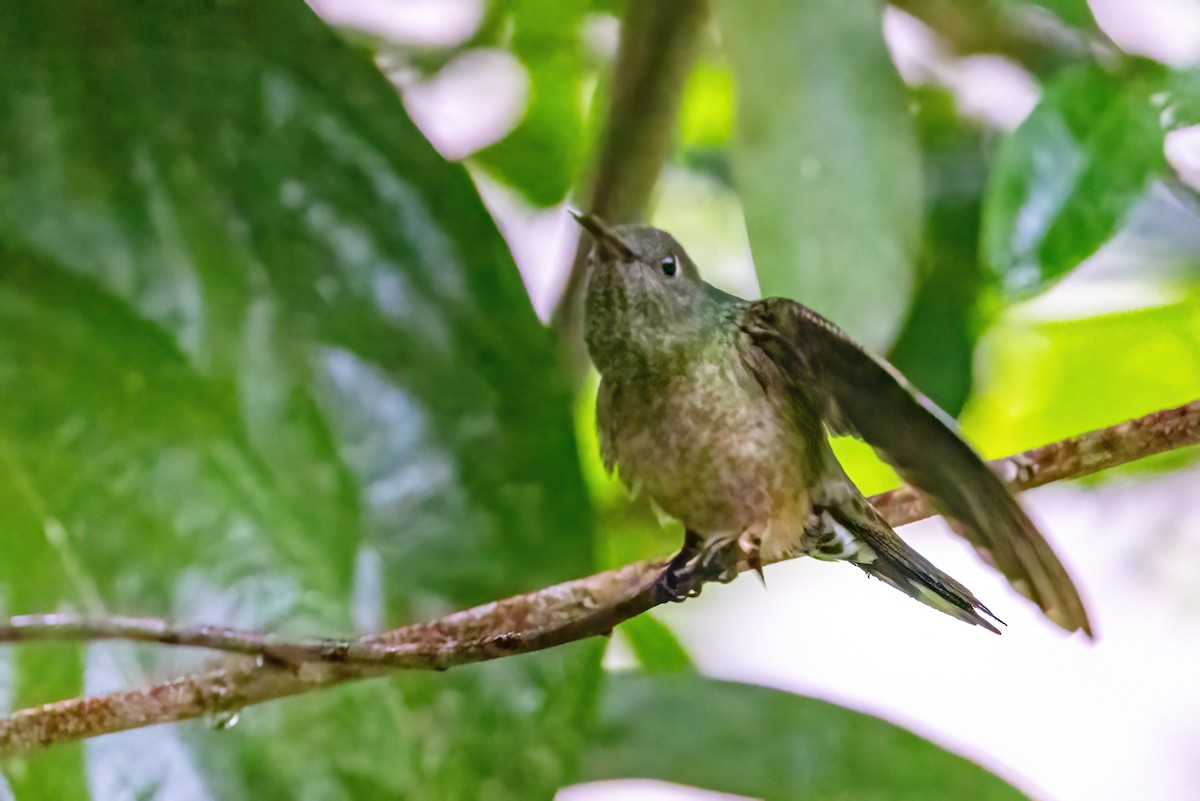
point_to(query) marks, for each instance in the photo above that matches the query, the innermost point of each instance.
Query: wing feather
(863, 395)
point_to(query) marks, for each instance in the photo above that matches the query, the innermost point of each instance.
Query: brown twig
(522, 624)
(659, 39)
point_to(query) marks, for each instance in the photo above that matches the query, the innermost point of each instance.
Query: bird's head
(646, 303)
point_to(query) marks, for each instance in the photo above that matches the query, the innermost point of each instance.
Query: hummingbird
(721, 409)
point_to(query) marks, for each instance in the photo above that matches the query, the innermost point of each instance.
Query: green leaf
(825, 159)
(541, 157)
(1076, 13)
(936, 347)
(1064, 180)
(655, 646)
(266, 362)
(1047, 380)
(762, 743)
(706, 109)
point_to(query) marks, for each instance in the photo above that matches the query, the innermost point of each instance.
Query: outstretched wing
(856, 393)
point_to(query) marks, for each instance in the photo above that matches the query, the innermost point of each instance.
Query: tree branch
(553, 616)
(658, 45)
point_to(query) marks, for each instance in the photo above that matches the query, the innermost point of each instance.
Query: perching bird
(720, 410)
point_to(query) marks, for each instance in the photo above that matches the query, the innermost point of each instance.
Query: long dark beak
(607, 240)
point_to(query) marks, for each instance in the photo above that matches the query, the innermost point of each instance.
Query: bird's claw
(680, 580)
(698, 563)
(678, 583)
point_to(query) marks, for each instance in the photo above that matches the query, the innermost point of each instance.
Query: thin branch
(553, 616)
(659, 39)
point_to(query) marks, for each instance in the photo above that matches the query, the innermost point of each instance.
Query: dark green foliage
(762, 743)
(937, 343)
(266, 360)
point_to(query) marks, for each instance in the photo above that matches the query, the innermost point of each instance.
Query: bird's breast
(706, 444)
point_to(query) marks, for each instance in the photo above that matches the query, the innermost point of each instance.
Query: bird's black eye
(670, 266)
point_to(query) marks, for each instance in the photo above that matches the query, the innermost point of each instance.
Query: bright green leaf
(706, 111)
(1047, 380)
(655, 646)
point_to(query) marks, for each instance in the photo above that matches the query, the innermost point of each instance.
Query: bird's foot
(680, 579)
(719, 559)
(678, 586)
(700, 561)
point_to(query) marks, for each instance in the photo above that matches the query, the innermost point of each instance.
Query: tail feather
(882, 554)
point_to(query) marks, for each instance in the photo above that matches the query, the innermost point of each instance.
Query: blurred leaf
(762, 743)
(1076, 13)
(1063, 181)
(1073, 12)
(706, 110)
(706, 121)
(825, 159)
(1047, 380)
(936, 347)
(605, 488)
(541, 158)
(268, 363)
(655, 646)
(860, 461)
(44, 674)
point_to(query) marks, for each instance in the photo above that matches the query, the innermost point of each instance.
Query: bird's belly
(713, 452)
